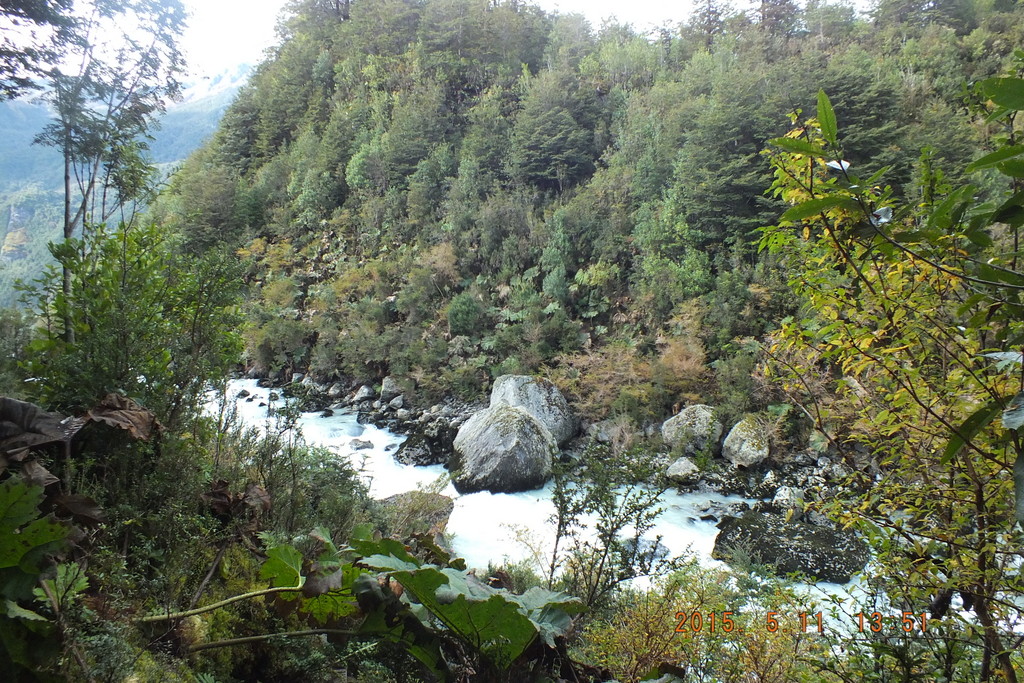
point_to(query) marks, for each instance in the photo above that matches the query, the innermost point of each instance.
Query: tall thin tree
(106, 93)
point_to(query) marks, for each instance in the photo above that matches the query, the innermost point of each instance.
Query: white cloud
(225, 33)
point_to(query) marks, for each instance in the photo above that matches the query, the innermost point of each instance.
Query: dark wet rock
(361, 444)
(818, 552)
(243, 393)
(327, 412)
(432, 444)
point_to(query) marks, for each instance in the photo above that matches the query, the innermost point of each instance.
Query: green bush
(466, 316)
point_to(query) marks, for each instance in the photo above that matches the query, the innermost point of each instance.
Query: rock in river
(694, 428)
(826, 554)
(502, 449)
(746, 444)
(541, 399)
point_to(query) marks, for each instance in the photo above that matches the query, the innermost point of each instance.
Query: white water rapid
(485, 527)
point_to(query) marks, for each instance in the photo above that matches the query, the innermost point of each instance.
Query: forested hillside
(452, 190)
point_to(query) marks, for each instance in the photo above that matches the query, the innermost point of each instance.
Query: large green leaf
(798, 146)
(995, 157)
(1006, 92)
(396, 621)
(969, 429)
(369, 546)
(25, 537)
(496, 623)
(549, 611)
(19, 504)
(813, 207)
(494, 626)
(827, 119)
(1013, 415)
(283, 567)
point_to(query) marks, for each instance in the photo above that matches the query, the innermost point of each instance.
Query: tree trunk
(69, 328)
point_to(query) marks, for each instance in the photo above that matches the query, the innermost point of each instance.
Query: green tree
(551, 147)
(914, 310)
(149, 324)
(122, 69)
(708, 21)
(35, 35)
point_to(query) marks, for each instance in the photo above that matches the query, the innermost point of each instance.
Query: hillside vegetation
(453, 190)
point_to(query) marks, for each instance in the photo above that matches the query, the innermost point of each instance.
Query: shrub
(466, 316)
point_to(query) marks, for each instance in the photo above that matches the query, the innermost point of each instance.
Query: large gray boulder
(389, 389)
(825, 554)
(539, 398)
(502, 449)
(746, 444)
(683, 471)
(694, 428)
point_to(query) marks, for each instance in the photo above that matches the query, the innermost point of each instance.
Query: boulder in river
(429, 446)
(695, 428)
(364, 393)
(502, 449)
(825, 554)
(746, 444)
(683, 471)
(389, 389)
(541, 399)
(417, 512)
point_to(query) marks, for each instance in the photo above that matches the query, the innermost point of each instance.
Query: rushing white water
(485, 527)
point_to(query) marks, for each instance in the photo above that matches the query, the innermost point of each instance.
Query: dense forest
(764, 210)
(453, 191)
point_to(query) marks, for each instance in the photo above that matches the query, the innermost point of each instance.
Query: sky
(225, 33)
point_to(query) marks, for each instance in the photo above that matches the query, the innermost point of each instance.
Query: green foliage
(909, 305)
(15, 333)
(646, 628)
(465, 315)
(496, 624)
(618, 491)
(26, 538)
(586, 197)
(148, 324)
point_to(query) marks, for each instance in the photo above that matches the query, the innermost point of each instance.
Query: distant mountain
(31, 175)
(185, 126)
(188, 123)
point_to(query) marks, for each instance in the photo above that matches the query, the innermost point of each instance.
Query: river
(484, 527)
